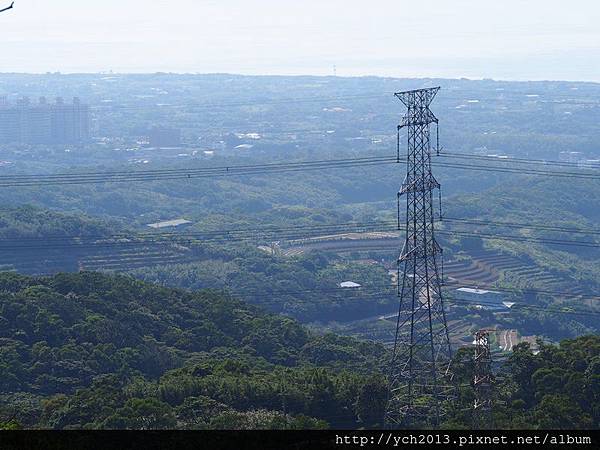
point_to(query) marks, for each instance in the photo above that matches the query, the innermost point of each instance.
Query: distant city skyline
(510, 39)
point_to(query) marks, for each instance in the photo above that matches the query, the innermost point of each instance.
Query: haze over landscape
(324, 215)
(511, 39)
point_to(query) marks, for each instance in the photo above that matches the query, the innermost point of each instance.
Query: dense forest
(95, 351)
(89, 350)
(556, 387)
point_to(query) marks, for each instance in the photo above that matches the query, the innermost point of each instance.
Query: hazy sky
(505, 39)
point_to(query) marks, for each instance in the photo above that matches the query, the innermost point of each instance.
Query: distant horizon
(303, 75)
(507, 40)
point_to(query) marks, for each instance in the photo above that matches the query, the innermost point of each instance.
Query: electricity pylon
(419, 373)
(482, 382)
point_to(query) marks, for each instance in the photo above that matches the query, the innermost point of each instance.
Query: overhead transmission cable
(376, 292)
(340, 227)
(186, 173)
(24, 180)
(309, 233)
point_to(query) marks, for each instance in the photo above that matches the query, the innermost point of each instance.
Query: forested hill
(34, 222)
(33, 239)
(95, 351)
(90, 350)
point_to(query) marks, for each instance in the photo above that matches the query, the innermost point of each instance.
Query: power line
(521, 225)
(121, 258)
(294, 233)
(345, 227)
(519, 171)
(391, 290)
(523, 291)
(264, 293)
(376, 291)
(233, 234)
(139, 245)
(255, 169)
(527, 161)
(232, 169)
(188, 173)
(490, 236)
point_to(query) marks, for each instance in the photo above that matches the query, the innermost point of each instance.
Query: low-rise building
(481, 297)
(169, 224)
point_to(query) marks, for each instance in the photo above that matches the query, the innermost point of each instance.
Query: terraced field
(486, 267)
(341, 243)
(127, 259)
(110, 258)
(470, 271)
(481, 268)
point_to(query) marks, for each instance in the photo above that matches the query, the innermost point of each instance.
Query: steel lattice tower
(482, 382)
(419, 371)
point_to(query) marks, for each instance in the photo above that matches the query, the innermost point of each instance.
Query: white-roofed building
(169, 224)
(481, 297)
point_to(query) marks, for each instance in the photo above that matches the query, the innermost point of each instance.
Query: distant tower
(482, 382)
(59, 121)
(70, 123)
(39, 123)
(419, 372)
